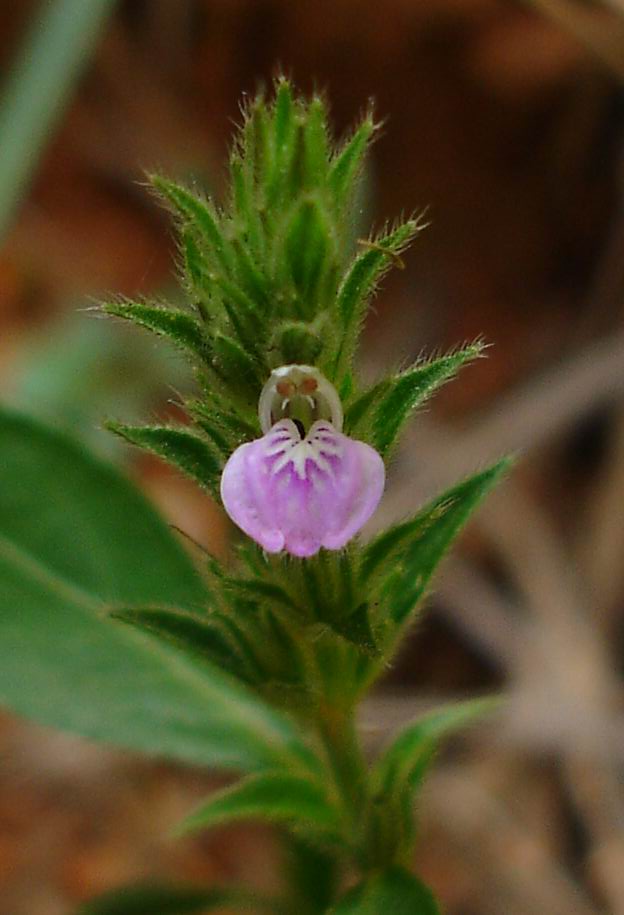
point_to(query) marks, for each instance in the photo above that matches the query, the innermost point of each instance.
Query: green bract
(108, 629)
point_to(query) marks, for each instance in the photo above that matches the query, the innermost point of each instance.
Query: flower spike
(303, 485)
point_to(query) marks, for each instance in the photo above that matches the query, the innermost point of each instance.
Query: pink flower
(295, 491)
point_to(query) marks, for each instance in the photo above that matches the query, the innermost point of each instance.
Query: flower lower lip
(298, 493)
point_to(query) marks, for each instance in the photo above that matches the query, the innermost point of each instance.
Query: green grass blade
(59, 45)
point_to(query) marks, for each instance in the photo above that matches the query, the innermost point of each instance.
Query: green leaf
(225, 428)
(406, 761)
(245, 177)
(356, 628)
(178, 446)
(403, 393)
(195, 635)
(285, 134)
(199, 215)
(76, 540)
(307, 249)
(242, 312)
(368, 268)
(400, 771)
(252, 279)
(198, 273)
(233, 363)
(357, 415)
(86, 522)
(400, 561)
(378, 414)
(261, 146)
(263, 590)
(360, 282)
(243, 632)
(315, 144)
(395, 892)
(220, 437)
(274, 796)
(160, 899)
(178, 326)
(288, 653)
(348, 162)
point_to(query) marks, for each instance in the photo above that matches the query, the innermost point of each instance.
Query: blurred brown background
(505, 120)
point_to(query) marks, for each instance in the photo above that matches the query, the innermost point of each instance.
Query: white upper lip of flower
(300, 377)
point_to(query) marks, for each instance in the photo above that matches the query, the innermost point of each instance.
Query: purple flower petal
(300, 495)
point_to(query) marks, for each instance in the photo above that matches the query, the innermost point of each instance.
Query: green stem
(313, 877)
(339, 738)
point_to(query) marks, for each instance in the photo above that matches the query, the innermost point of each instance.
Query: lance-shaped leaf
(198, 274)
(224, 428)
(76, 539)
(285, 132)
(178, 326)
(178, 446)
(234, 363)
(200, 636)
(410, 389)
(395, 892)
(220, 437)
(308, 254)
(368, 268)
(242, 312)
(253, 148)
(360, 283)
(404, 764)
(245, 199)
(289, 663)
(219, 294)
(380, 413)
(402, 767)
(347, 164)
(199, 215)
(161, 899)
(315, 144)
(357, 416)
(399, 563)
(274, 796)
(250, 277)
(216, 413)
(267, 591)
